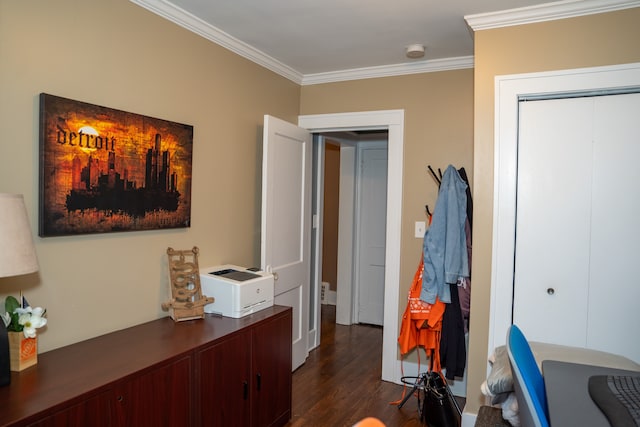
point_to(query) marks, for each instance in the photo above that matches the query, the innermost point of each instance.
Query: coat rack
(438, 178)
(429, 214)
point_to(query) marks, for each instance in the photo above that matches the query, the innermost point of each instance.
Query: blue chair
(527, 380)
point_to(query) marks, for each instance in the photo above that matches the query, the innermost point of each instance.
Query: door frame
(348, 236)
(317, 225)
(393, 121)
(509, 89)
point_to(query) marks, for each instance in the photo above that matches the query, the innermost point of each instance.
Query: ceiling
(316, 41)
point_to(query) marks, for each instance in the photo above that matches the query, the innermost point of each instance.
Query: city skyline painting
(105, 170)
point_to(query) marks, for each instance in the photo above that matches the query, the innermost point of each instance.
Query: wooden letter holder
(187, 301)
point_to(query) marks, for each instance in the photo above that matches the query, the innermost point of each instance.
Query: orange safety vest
(421, 322)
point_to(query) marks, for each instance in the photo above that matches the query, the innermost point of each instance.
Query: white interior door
(286, 222)
(371, 242)
(576, 231)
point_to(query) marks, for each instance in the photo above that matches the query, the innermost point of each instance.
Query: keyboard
(618, 397)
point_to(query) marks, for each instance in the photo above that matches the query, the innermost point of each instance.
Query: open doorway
(393, 122)
(354, 224)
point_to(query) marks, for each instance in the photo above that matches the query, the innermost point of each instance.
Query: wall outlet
(420, 228)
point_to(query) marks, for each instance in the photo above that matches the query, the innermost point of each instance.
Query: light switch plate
(420, 227)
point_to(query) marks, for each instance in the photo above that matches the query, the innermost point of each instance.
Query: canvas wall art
(105, 170)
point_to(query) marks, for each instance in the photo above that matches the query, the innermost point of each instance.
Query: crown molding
(546, 12)
(483, 21)
(196, 25)
(428, 66)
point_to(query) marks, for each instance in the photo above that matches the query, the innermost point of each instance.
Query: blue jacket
(444, 246)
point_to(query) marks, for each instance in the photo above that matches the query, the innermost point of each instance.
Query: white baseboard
(328, 296)
(331, 298)
(468, 418)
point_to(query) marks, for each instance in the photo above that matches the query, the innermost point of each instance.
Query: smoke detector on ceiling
(415, 51)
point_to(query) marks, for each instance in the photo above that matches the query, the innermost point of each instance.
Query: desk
(568, 399)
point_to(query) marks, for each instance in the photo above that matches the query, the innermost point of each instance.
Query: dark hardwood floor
(340, 384)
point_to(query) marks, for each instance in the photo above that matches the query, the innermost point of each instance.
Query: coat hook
(434, 174)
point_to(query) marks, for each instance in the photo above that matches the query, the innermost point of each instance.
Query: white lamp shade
(17, 252)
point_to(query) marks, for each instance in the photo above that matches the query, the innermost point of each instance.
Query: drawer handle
(551, 291)
(120, 398)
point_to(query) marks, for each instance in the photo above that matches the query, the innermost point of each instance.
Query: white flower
(31, 319)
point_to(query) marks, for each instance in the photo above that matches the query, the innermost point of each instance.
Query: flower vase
(23, 351)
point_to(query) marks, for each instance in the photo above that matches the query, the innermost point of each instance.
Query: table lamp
(17, 257)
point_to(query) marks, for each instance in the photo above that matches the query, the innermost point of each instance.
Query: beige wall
(438, 132)
(596, 40)
(116, 54)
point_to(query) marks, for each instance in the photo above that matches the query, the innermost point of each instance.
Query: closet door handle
(551, 291)
(245, 386)
(259, 380)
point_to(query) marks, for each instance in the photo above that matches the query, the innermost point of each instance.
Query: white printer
(237, 291)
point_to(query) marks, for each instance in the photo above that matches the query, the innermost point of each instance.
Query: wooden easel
(187, 301)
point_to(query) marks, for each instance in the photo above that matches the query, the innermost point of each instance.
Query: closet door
(552, 221)
(575, 235)
(614, 294)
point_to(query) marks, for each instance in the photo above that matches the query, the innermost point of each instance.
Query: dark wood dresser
(218, 371)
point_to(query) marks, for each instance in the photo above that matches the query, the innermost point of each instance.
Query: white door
(286, 222)
(576, 222)
(371, 242)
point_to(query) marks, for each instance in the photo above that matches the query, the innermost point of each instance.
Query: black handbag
(439, 407)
